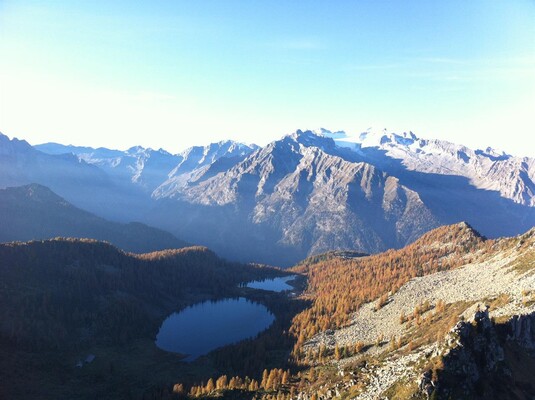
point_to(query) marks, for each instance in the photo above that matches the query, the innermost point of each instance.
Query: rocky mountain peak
(303, 192)
(310, 138)
(9, 146)
(459, 234)
(372, 138)
(35, 193)
(137, 150)
(490, 169)
(203, 155)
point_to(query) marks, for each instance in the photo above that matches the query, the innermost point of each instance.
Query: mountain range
(34, 212)
(307, 193)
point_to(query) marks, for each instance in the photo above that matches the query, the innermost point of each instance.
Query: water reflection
(203, 327)
(275, 285)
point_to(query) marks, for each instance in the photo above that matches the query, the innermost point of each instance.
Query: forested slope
(62, 299)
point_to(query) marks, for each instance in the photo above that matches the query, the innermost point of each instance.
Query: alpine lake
(203, 327)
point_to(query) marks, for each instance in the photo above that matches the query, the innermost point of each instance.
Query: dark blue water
(275, 285)
(203, 327)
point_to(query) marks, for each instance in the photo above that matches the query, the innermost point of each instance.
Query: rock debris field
(472, 282)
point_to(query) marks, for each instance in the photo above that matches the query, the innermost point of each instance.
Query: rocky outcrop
(522, 330)
(478, 357)
(476, 361)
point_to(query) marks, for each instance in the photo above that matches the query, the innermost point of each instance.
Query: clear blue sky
(175, 73)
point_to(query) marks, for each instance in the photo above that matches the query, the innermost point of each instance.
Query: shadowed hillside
(65, 298)
(35, 212)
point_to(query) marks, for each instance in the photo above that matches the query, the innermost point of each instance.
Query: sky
(171, 74)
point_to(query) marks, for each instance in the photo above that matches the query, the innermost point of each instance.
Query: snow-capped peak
(376, 138)
(487, 169)
(369, 138)
(330, 134)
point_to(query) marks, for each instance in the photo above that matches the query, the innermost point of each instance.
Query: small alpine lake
(203, 327)
(279, 284)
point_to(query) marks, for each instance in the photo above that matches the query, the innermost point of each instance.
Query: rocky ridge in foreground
(463, 333)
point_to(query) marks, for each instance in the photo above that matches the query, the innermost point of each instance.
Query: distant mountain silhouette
(35, 212)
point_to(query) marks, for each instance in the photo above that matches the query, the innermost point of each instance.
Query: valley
(336, 331)
(463, 331)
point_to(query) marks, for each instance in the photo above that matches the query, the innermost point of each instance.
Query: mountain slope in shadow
(35, 212)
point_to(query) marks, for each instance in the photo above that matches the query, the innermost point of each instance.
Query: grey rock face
(199, 163)
(455, 182)
(305, 194)
(475, 363)
(426, 384)
(488, 169)
(522, 330)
